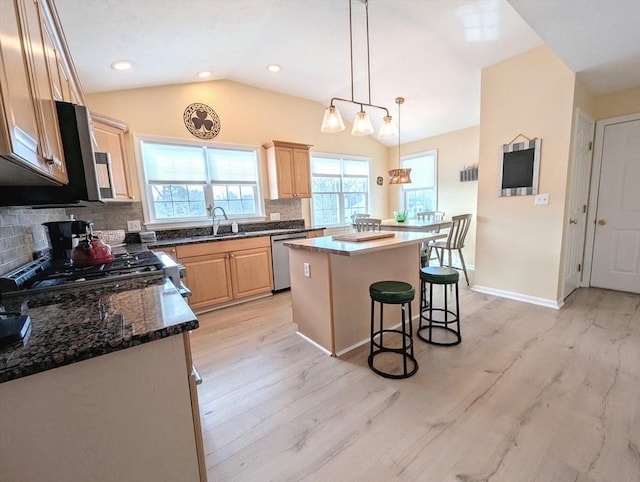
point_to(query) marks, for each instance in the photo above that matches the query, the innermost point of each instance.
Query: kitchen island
(101, 388)
(330, 284)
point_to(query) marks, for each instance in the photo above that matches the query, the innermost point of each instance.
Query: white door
(578, 201)
(616, 249)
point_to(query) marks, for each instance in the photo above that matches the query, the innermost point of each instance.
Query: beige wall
(618, 103)
(518, 247)
(584, 99)
(455, 151)
(248, 116)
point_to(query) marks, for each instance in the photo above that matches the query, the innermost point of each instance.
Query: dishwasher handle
(286, 237)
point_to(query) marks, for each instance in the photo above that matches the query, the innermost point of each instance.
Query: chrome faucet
(216, 220)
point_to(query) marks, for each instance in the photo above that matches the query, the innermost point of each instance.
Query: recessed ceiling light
(274, 68)
(121, 65)
(204, 74)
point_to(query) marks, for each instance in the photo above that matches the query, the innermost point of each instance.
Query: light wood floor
(531, 394)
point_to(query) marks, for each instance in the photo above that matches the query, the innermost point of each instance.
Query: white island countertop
(327, 244)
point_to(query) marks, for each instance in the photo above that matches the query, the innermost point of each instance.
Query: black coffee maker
(63, 236)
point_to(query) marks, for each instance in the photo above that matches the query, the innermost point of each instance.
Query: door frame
(595, 189)
(579, 114)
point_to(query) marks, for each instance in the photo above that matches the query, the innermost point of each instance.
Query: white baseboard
(556, 304)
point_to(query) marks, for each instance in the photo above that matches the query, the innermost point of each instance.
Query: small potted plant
(401, 216)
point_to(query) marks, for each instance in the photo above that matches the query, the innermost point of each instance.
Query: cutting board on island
(358, 237)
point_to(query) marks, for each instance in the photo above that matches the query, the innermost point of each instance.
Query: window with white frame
(340, 188)
(183, 180)
(421, 194)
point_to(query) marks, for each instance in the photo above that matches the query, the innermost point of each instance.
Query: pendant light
(332, 120)
(400, 175)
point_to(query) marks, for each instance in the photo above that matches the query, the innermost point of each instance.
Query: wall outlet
(274, 217)
(542, 199)
(134, 226)
(307, 270)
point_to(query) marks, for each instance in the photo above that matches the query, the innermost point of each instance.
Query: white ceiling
(429, 51)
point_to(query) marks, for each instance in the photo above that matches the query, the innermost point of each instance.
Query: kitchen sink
(210, 237)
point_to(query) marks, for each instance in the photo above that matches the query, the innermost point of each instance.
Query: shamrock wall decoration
(202, 121)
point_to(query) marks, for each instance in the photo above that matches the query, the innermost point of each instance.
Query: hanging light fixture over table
(332, 121)
(400, 175)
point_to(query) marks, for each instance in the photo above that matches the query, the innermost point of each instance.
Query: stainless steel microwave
(90, 176)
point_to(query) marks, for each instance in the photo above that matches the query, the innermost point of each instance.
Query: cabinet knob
(573, 221)
(52, 161)
(602, 222)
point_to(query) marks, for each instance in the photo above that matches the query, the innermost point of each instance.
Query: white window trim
(333, 155)
(192, 222)
(435, 174)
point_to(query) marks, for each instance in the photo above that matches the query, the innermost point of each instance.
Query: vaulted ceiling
(429, 51)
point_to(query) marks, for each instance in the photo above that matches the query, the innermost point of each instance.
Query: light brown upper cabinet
(64, 83)
(29, 135)
(289, 170)
(110, 137)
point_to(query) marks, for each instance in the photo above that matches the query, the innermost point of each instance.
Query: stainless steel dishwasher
(280, 259)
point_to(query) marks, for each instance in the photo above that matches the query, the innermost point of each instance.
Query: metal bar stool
(445, 277)
(396, 293)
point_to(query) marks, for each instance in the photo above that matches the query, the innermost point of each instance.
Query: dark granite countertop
(69, 326)
(226, 236)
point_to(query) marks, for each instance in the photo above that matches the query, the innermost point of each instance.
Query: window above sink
(180, 178)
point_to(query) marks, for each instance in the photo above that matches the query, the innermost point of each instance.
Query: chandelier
(332, 121)
(400, 175)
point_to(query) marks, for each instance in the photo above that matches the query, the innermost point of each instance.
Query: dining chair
(359, 215)
(425, 251)
(368, 224)
(454, 242)
(430, 215)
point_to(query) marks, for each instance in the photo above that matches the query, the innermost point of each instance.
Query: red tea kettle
(91, 251)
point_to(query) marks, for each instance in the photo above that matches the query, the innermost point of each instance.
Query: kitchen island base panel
(122, 416)
(311, 296)
(331, 307)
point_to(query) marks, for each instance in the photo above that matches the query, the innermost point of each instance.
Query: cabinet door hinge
(590, 145)
(579, 268)
(584, 208)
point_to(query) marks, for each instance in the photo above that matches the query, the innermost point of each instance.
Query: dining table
(423, 225)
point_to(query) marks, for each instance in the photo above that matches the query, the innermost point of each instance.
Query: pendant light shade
(332, 121)
(400, 175)
(362, 125)
(388, 128)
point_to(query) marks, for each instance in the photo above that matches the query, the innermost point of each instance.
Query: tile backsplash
(288, 208)
(22, 233)
(108, 216)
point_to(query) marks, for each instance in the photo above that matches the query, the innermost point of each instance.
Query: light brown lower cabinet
(315, 233)
(223, 271)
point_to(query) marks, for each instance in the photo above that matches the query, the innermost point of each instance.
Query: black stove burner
(60, 272)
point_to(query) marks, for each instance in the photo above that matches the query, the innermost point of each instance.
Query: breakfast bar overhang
(330, 284)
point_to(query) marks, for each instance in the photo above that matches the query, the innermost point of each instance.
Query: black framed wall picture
(519, 168)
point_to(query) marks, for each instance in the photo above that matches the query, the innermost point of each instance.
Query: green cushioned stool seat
(392, 341)
(439, 275)
(392, 292)
(441, 320)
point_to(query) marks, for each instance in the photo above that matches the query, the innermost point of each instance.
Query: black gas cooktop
(46, 273)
